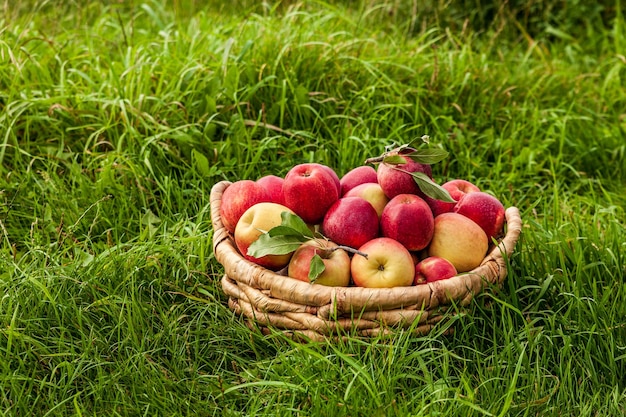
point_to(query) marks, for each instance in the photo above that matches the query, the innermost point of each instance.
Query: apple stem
(349, 249)
(375, 159)
(381, 159)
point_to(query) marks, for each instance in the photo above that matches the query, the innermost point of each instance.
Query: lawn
(117, 118)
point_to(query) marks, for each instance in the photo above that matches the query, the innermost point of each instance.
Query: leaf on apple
(421, 156)
(430, 188)
(274, 245)
(282, 239)
(394, 160)
(316, 268)
(293, 222)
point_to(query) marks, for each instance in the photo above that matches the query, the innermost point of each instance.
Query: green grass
(116, 120)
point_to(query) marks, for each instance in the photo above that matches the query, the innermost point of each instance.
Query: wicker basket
(270, 300)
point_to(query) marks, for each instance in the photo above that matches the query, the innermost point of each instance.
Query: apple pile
(374, 227)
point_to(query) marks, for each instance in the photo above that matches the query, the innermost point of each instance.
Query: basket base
(301, 322)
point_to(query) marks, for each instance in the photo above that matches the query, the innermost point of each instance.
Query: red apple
(335, 177)
(274, 187)
(396, 179)
(408, 219)
(237, 198)
(459, 240)
(255, 221)
(371, 192)
(360, 175)
(309, 190)
(351, 221)
(336, 263)
(388, 264)
(456, 188)
(486, 210)
(433, 269)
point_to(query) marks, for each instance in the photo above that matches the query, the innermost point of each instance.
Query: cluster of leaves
(286, 238)
(421, 156)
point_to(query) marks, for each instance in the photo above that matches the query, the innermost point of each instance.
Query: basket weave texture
(271, 300)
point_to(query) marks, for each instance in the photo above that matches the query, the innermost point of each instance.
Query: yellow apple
(256, 220)
(372, 193)
(459, 240)
(388, 264)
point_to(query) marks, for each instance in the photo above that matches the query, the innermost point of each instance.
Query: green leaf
(421, 156)
(274, 245)
(428, 156)
(316, 268)
(394, 160)
(282, 239)
(430, 188)
(288, 231)
(296, 223)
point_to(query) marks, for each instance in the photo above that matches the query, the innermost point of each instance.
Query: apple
(408, 219)
(371, 192)
(309, 190)
(336, 263)
(388, 264)
(433, 269)
(258, 219)
(396, 179)
(237, 198)
(484, 209)
(457, 188)
(274, 187)
(350, 221)
(459, 240)
(360, 175)
(335, 177)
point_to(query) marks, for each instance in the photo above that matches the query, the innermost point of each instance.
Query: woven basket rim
(458, 289)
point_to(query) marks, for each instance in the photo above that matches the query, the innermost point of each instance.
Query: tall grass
(117, 118)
